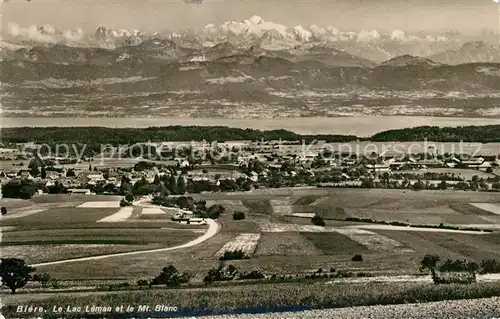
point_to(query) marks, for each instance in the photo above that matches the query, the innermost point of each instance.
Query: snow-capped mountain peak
(302, 34)
(254, 20)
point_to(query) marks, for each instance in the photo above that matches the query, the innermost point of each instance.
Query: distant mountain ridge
(475, 51)
(255, 32)
(244, 69)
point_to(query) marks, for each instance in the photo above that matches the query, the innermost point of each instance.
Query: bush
(3, 210)
(118, 286)
(54, 283)
(363, 274)
(142, 282)
(129, 197)
(318, 221)
(238, 215)
(332, 269)
(124, 203)
(455, 278)
(490, 266)
(344, 274)
(222, 273)
(234, 255)
(43, 279)
(170, 276)
(357, 258)
(253, 274)
(453, 265)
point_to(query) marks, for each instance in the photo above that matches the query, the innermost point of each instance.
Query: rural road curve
(213, 228)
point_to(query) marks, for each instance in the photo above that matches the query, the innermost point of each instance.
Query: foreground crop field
(484, 308)
(271, 297)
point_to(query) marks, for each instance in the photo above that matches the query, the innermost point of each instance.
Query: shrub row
(396, 223)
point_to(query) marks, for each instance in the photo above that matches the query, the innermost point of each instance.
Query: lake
(361, 126)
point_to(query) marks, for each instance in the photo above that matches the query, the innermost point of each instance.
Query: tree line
(94, 137)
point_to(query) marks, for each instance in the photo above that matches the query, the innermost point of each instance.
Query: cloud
(367, 36)
(43, 33)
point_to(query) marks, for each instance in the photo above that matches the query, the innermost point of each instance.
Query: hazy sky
(428, 15)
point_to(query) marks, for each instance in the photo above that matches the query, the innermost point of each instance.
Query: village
(243, 166)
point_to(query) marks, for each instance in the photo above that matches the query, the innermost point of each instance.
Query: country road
(213, 228)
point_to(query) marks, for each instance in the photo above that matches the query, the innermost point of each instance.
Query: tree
(172, 184)
(215, 211)
(443, 185)
(15, 273)
(418, 186)
(430, 262)
(57, 188)
(472, 267)
(129, 197)
(33, 166)
(70, 173)
(3, 210)
(238, 215)
(318, 221)
(367, 183)
(125, 186)
(17, 188)
(157, 180)
(181, 185)
(357, 258)
(90, 167)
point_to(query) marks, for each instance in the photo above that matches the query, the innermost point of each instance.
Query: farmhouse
(93, 178)
(431, 163)
(378, 167)
(470, 162)
(79, 191)
(179, 214)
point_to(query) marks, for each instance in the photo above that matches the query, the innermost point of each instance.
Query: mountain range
(371, 45)
(247, 69)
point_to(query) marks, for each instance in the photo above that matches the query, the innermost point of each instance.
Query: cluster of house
(270, 154)
(479, 163)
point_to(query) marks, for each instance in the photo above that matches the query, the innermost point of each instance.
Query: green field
(285, 244)
(258, 206)
(63, 217)
(168, 237)
(63, 231)
(335, 244)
